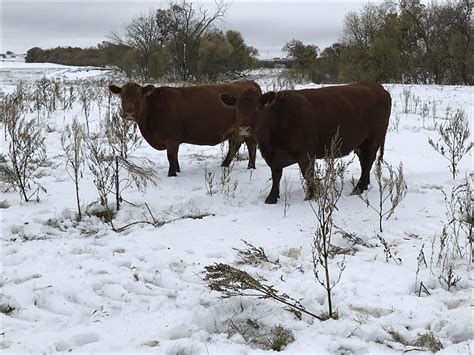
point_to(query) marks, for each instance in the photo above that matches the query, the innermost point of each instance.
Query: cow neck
(142, 119)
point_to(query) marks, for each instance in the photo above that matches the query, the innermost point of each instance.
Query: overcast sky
(266, 25)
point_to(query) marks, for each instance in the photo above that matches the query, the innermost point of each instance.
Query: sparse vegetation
(26, 153)
(392, 189)
(453, 144)
(124, 139)
(253, 255)
(429, 341)
(268, 338)
(6, 309)
(72, 141)
(231, 282)
(324, 186)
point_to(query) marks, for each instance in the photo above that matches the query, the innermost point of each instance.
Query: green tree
(35, 55)
(159, 62)
(242, 56)
(214, 53)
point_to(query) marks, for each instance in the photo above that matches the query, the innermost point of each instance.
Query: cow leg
(307, 170)
(234, 147)
(367, 154)
(252, 148)
(274, 194)
(172, 152)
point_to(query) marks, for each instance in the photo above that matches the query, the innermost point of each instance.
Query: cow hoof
(271, 200)
(172, 174)
(251, 167)
(357, 191)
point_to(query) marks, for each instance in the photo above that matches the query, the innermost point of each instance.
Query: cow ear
(227, 99)
(268, 98)
(115, 89)
(147, 90)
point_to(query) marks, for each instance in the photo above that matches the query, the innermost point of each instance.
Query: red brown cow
(169, 116)
(296, 126)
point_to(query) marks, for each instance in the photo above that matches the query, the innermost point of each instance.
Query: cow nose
(128, 115)
(244, 131)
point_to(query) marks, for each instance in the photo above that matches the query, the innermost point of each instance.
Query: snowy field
(81, 287)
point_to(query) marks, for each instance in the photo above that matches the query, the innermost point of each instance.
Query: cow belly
(277, 158)
(210, 137)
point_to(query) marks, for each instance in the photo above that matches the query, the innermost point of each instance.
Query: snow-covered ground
(82, 287)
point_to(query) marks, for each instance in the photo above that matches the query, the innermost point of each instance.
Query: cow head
(132, 96)
(248, 108)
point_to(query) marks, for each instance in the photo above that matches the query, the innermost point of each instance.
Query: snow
(82, 287)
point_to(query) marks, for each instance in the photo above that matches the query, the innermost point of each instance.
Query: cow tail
(381, 150)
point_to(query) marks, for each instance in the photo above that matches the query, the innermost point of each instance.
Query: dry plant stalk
(325, 185)
(209, 180)
(391, 189)
(286, 196)
(124, 139)
(231, 282)
(452, 144)
(460, 219)
(86, 95)
(100, 164)
(72, 142)
(253, 255)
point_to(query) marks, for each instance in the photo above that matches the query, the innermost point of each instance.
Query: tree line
(181, 42)
(406, 42)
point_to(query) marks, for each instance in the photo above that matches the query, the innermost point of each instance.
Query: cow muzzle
(244, 131)
(128, 116)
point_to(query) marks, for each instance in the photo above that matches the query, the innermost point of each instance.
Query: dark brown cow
(169, 116)
(296, 126)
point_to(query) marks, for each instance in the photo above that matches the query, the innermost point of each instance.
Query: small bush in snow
(253, 255)
(405, 96)
(453, 144)
(286, 199)
(86, 96)
(430, 341)
(324, 185)
(455, 241)
(100, 164)
(227, 185)
(392, 190)
(6, 309)
(388, 251)
(72, 142)
(27, 153)
(268, 338)
(209, 181)
(124, 139)
(424, 113)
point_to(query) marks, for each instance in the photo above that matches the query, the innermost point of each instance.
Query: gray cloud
(264, 25)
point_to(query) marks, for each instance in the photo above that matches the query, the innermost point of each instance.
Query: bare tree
(72, 141)
(453, 143)
(185, 23)
(143, 33)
